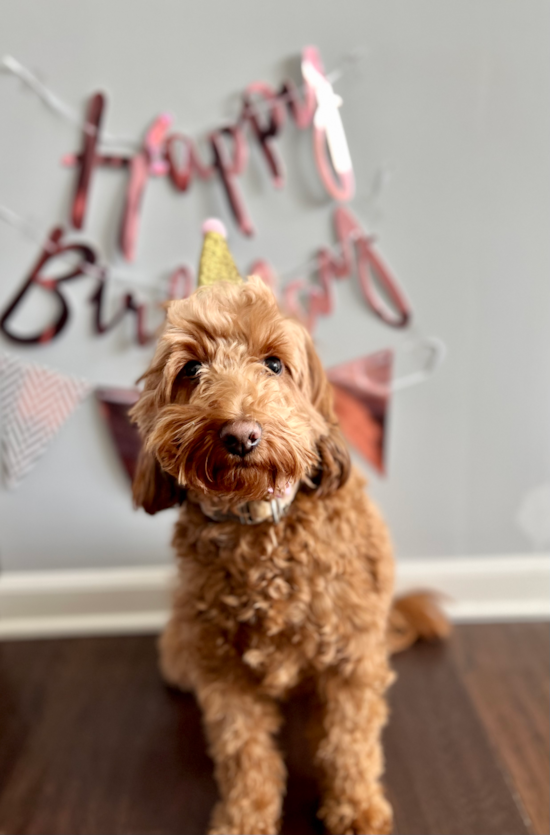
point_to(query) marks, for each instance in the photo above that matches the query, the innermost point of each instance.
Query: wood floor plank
(112, 750)
(24, 679)
(93, 743)
(441, 772)
(506, 668)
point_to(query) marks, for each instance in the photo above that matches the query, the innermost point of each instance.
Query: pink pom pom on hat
(214, 225)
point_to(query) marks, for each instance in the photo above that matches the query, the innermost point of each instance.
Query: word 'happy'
(176, 155)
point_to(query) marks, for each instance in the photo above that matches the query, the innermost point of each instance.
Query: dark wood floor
(91, 741)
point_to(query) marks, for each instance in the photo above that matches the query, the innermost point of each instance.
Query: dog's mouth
(240, 468)
(257, 471)
(250, 481)
(230, 478)
(280, 493)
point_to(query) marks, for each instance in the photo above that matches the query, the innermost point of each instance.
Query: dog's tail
(416, 616)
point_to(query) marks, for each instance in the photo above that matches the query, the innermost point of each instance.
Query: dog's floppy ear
(334, 461)
(152, 488)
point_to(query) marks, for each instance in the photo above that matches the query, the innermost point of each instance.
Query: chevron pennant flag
(34, 403)
(362, 390)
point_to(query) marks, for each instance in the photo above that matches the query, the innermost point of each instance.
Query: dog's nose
(241, 436)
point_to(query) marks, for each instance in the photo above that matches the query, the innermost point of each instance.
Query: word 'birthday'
(354, 254)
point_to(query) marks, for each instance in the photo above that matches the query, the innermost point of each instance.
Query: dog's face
(235, 404)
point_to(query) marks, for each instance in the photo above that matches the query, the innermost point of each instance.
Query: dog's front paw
(226, 821)
(377, 819)
(344, 818)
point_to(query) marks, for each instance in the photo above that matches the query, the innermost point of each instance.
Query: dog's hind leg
(350, 754)
(240, 726)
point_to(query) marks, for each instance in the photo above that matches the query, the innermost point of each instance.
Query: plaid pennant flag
(34, 403)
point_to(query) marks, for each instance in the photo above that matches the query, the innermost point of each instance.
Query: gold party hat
(216, 262)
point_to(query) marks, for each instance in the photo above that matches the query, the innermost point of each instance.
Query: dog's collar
(252, 513)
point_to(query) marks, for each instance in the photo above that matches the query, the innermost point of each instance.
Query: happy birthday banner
(174, 156)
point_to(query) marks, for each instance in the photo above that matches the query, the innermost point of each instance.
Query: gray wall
(452, 97)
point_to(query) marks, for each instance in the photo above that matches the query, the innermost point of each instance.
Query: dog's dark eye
(274, 364)
(191, 368)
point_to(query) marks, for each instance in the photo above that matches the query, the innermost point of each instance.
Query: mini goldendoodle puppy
(285, 566)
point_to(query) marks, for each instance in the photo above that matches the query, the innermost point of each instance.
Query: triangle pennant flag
(362, 391)
(35, 402)
(114, 405)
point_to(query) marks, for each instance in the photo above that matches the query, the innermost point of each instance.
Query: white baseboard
(495, 588)
(136, 600)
